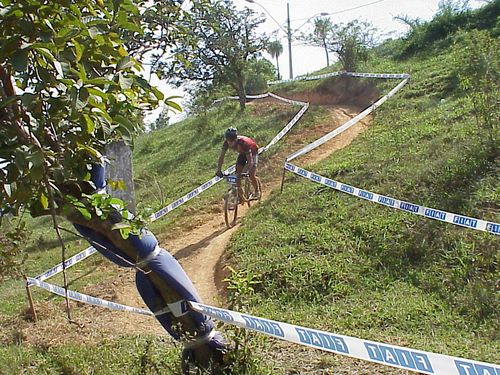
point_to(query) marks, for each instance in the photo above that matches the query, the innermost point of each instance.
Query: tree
(275, 49)
(258, 72)
(68, 86)
(77, 88)
(350, 42)
(322, 27)
(222, 42)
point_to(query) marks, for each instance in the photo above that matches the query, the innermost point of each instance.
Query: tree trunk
(326, 52)
(242, 94)
(278, 68)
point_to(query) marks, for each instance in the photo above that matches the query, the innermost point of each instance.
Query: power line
(346, 10)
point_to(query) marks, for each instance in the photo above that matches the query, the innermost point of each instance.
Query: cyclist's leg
(240, 165)
(252, 170)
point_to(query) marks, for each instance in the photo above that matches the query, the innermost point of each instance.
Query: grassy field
(320, 258)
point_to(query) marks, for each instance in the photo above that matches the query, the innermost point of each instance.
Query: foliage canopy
(220, 44)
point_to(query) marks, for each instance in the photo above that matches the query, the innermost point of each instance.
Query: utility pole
(289, 32)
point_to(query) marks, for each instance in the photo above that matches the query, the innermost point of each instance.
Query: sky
(306, 59)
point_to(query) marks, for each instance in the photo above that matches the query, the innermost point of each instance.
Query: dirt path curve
(199, 247)
(200, 250)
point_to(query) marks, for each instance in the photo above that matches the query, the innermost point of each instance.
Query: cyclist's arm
(221, 156)
(249, 158)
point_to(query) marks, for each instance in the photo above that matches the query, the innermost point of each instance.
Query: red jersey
(243, 145)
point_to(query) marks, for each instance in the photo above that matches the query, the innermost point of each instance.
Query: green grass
(335, 262)
(134, 355)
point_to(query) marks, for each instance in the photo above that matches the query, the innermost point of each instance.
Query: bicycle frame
(234, 196)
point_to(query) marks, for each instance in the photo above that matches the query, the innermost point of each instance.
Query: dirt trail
(200, 250)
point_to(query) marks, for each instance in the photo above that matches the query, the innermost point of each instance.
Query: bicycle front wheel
(247, 190)
(231, 208)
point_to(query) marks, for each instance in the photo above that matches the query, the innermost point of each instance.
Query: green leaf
(82, 72)
(83, 98)
(79, 51)
(90, 150)
(173, 105)
(158, 94)
(29, 100)
(36, 158)
(11, 44)
(104, 115)
(45, 52)
(96, 92)
(9, 100)
(121, 225)
(116, 201)
(89, 124)
(20, 60)
(44, 201)
(99, 81)
(125, 63)
(125, 83)
(129, 125)
(84, 212)
(69, 34)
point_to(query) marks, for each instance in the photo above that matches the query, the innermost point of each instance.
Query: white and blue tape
(347, 125)
(213, 181)
(305, 78)
(431, 213)
(341, 73)
(391, 355)
(68, 263)
(75, 296)
(377, 75)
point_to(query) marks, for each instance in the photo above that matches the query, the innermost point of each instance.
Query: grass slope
(334, 262)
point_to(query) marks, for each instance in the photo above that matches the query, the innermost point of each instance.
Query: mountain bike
(233, 198)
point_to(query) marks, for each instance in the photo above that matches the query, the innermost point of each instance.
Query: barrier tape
(377, 75)
(197, 191)
(193, 193)
(348, 124)
(67, 264)
(372, 351)
(260, 96)
(431, 213)
(285, 130)
(305, 78)
(291, 101)
(341, 73)
(75, 296)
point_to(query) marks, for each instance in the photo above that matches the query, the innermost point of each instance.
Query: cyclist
(247, 150)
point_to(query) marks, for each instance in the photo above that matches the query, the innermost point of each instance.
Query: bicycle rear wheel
(259, 184)
(248, 189)
(231, 208)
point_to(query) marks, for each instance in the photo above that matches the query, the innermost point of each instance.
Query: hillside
(309, 255)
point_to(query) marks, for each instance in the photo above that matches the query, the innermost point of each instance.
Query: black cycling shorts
(242, 159)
